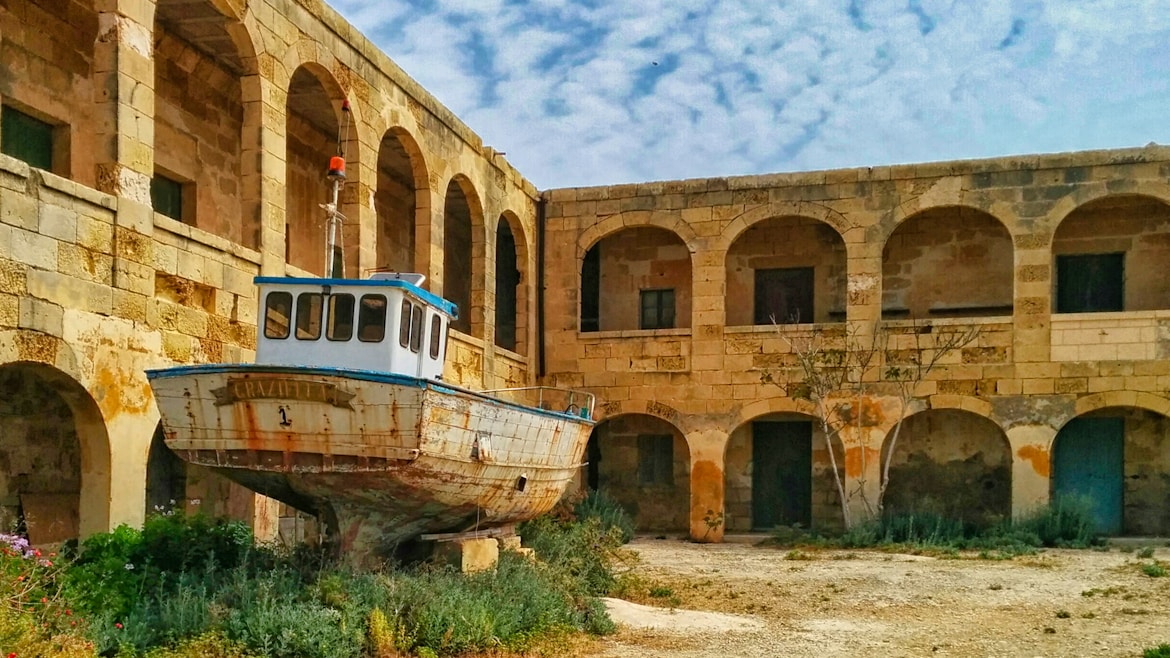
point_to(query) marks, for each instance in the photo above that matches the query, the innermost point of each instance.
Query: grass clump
(597, 504)
(1160, 651)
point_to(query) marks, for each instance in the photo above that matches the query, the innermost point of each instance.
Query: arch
(815, 211)
(639, 277)
(977, 406)
(643, 462)
(1086, 194)
(402, 200)
(1108, 254)
(1087, 404)
(314, 114)
(464, 252)
(615, 408)
(793, 269)
(951, 462)
(948, 261)
(778, 470)
(43, 399)
(1116, 457)
(512, 283)
(635, 219)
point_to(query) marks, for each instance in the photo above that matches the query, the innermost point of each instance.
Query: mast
(334, 220)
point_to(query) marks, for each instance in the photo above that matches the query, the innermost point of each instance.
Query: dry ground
(874, 604)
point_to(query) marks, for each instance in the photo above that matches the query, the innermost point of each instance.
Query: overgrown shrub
(584, 552)
(1160, 651)
(597, 504)
(34, 620)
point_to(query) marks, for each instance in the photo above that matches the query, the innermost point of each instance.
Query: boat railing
(550, 398)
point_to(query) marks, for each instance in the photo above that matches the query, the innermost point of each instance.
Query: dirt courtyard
(874, 604)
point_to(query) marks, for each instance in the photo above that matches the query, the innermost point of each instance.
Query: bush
(1066, 522)
(582, 552)
(34, 621)
(1160, 651)
(596, 504)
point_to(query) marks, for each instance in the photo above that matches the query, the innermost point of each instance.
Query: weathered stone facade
(234, 108)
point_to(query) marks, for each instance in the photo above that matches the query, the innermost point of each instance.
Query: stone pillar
(707, 488)
(1031, 466)
(264, 111)
(863, 470)
(130, 435)
(428, 242)
(1032, 303)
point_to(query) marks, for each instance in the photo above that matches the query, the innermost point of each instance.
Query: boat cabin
(387, 323)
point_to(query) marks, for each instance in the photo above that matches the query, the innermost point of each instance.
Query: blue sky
(593, 92)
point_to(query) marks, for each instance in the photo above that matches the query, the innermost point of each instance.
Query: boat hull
(381, 458)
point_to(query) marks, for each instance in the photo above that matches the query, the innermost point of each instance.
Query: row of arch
(939, 262)
(959, 464)
(214, 137)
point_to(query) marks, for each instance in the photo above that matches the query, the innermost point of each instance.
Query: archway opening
(1117, 461)
(953, 261)
(643, 462)
(636, 278)
(397, 201)
(950, 463)
(507, 287)
(166, 477)
(457, 254)
(778, 472)
(792, 269)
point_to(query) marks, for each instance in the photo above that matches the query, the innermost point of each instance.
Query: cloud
(587, 92)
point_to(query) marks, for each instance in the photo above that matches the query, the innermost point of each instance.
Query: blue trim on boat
(425, 295)
(350, 373)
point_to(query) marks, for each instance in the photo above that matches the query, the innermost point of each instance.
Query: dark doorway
(1090, 283)
(593, 457)
(784, 296)
(781, 474)
(166, 477)
(507, 279)
(1089, 463)
(591, 290)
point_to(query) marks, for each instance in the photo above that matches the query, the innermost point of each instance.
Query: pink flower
(118, 625)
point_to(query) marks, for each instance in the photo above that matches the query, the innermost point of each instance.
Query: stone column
(707, 489)
(1032, 303)
(1031, 466)
(428, 241)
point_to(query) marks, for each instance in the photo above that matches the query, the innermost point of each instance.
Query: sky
(600, 92)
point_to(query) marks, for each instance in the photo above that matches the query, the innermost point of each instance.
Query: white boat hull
(381, 458)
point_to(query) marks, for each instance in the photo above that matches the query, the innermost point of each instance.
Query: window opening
(277, 311)
(166, 195)
(404, 324)
(372, 319)
(1090, 283)
(784, 296)
(309, 307)
(26, 138)
(340, 317)
(416, 328)
(656, 459)
(591, 290)
(436, 328)
(657, 309)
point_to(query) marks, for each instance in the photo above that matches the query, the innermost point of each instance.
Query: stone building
(156, 156)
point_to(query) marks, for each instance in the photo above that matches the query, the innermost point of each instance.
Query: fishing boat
(345, 415)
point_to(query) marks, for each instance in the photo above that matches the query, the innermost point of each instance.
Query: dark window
(591, 290)
(340, 317)
(404, 324)
(166, 196)
(372, 319)
(784, 296)
(1090, 283)
(436, 328)
(507, 280)
(309, 307)
(657, 309)
(416, 329)
(277, 310)
(26, 138)
(656, 459)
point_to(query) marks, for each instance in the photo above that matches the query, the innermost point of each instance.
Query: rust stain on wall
(706, 500)
(1038, 457)
(855, 460)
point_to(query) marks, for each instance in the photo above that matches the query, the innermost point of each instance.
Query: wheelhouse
(386, 323)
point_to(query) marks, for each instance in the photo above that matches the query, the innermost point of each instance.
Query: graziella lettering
(238, 390)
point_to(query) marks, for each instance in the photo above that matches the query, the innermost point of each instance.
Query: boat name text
(282, 389)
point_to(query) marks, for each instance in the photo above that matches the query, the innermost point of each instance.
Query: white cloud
(571, 90)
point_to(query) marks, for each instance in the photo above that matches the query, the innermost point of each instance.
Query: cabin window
(404, 324)
(372, 319)
(416, 329)
(309, 307)
(277, 311)
(436, 335)
(340, 317)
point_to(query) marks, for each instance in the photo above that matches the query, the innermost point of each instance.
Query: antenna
(334, 220)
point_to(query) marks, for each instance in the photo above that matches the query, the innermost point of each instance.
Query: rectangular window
(404, 324)
(591, 290)
(657, 309)
(166, 195)
(372, 319)
(309, 307)
(1090, 283)
(26, 138)
(436, 328)
(416, 329)
(656, 459)
(340, 317)
(784, 296)
(277, 311)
